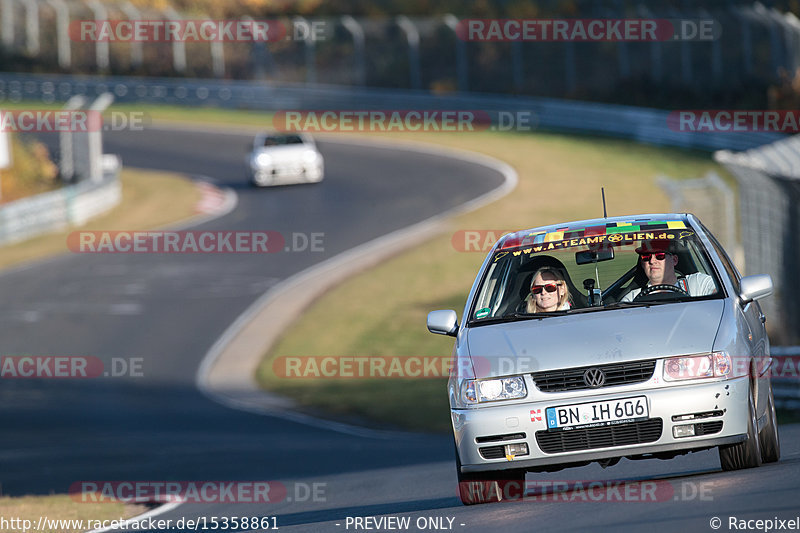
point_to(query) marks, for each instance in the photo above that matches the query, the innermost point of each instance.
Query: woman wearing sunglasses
(548, 292)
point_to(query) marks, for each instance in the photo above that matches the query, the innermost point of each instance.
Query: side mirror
(443, 322)
(755, 287)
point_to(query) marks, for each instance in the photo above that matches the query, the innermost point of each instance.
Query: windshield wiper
(620, 305)
(512, 317)
(615, 305)
(538, 315)
(494, 320)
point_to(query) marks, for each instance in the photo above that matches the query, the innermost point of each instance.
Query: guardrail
(56, 210)
(785, 387)
(95, 190)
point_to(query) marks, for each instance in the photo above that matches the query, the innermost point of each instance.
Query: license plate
(597, 414)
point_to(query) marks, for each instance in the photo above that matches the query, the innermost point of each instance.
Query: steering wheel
(661, 287)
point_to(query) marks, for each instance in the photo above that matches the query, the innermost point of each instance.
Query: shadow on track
(57, 433)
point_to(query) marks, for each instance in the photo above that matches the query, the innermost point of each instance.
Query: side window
(489, 288)
(494, 286)
(727, 264)
(497, 299)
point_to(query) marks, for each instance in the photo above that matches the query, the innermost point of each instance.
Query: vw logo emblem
(594, 377)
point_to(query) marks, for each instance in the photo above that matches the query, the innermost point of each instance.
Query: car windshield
(585, 269)
(281, 140)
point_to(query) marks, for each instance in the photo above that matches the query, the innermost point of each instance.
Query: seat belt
(684, 284)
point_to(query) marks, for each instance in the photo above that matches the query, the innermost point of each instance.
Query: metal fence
(769, 211)
(786, 376)
(735, 69)
(711, 199)
(767, 218)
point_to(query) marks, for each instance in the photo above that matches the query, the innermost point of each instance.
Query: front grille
(493, 452)
(287, 170)
(615, 374)
(708, 428)
(602, 437)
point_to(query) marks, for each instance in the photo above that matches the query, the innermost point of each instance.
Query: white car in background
(281, 158)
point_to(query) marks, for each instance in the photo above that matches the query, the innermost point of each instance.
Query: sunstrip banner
(482, 240)
(567, 233)
(542, 242)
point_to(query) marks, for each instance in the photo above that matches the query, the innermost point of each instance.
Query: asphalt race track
(168, 309)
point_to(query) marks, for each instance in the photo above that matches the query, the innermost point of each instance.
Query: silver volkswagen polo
(595, 340)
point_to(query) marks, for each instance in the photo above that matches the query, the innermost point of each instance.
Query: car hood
(592, 338)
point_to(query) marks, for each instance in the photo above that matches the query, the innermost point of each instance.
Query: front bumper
(527, 417)
(279, 173)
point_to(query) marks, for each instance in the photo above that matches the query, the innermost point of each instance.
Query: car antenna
(603, 192)
(596, 272)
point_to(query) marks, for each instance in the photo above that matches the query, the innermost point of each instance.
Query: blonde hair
(562, 298)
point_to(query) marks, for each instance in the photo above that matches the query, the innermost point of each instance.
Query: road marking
(212, 199)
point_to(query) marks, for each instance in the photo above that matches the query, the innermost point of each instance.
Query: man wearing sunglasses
(658, 261)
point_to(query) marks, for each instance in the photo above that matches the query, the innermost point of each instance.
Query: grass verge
(61, 507)
(29, 510)
(149, 200)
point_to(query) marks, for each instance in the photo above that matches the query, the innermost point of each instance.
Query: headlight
(263, 160)
(492, 390)
(714, 365)
(310, 156)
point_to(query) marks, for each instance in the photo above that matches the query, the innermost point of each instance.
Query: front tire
(769, 439)
(489, 487)
(746, 454)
